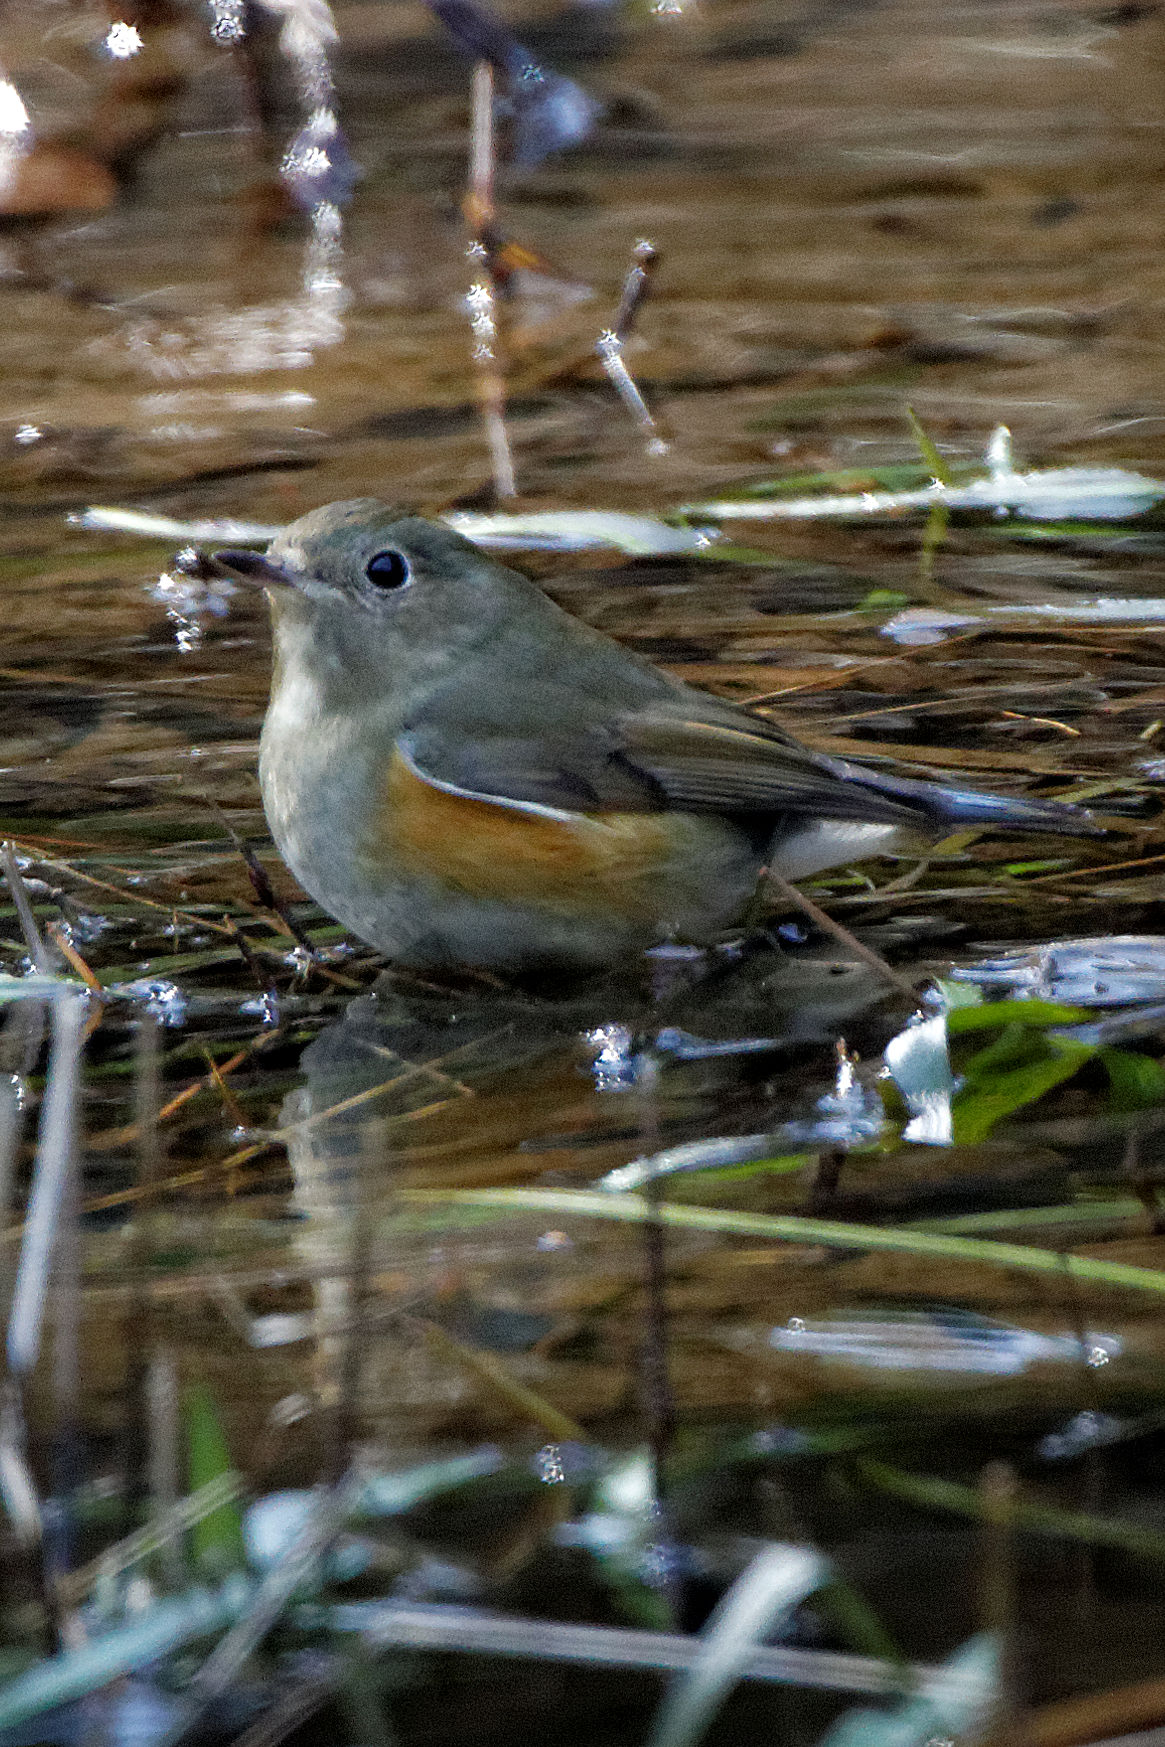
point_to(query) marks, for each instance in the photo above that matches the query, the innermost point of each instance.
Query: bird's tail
(945, 805)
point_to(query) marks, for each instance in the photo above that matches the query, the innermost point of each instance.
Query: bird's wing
(563, 753)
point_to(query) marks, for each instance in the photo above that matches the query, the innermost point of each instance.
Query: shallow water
(859, 207)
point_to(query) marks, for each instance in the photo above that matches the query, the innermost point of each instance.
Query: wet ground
(858, 208)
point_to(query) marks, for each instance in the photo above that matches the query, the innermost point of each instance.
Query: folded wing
(685, 752)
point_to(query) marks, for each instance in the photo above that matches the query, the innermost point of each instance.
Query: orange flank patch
(602, 861)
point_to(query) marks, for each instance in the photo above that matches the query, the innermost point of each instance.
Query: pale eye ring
(388, 569)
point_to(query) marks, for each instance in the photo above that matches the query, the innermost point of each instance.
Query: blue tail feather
(947, 805)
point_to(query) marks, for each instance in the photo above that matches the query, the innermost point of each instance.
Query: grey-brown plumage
(463, 773)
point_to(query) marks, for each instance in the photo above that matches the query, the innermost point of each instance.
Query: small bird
(465, 775)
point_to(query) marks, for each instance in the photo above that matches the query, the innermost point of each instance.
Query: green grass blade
(926, 448)
(928, 1245)
(217, 1539)
(931, 1493)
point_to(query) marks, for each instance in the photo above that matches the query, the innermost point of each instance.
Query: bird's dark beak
(253, 568)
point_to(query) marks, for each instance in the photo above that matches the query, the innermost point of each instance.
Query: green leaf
(899, 476)
(698, 1182)
(1016, 1046)
(976, 1111)
(882, 600)
(732, 552)
(1031, 1013)
(1137, 1081)
(1107, 533)
(217, 1540)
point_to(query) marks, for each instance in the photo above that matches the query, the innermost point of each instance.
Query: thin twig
(430, 1626)
(868, 956)
(998, 1493)
(51, 1252)
(612, 340)
(231, 1106)
(152, 1362)
(56, 1153)
(112, 1139)
(644, 261)
(57, 934)
(261, 885)
(11, 1129)
(371, 1157)
(162, 1405)
(224, 1489)
(274, 1137)
(18, 1491)
(482, 299)
(262, 980)
(135, 899)
(38, 950)
(489, 1369)
(658, 1399)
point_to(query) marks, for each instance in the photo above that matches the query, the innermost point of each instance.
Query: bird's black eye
(388, 569)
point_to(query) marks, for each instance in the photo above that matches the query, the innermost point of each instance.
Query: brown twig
(231, 1105)
(998, 1494)
(136, 899)
(491, 1370)
(265, 893)
(868, 956)
(655, 1382)
(1075, 1721)
(110, 1139)
(644, 261)
(262, 980)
